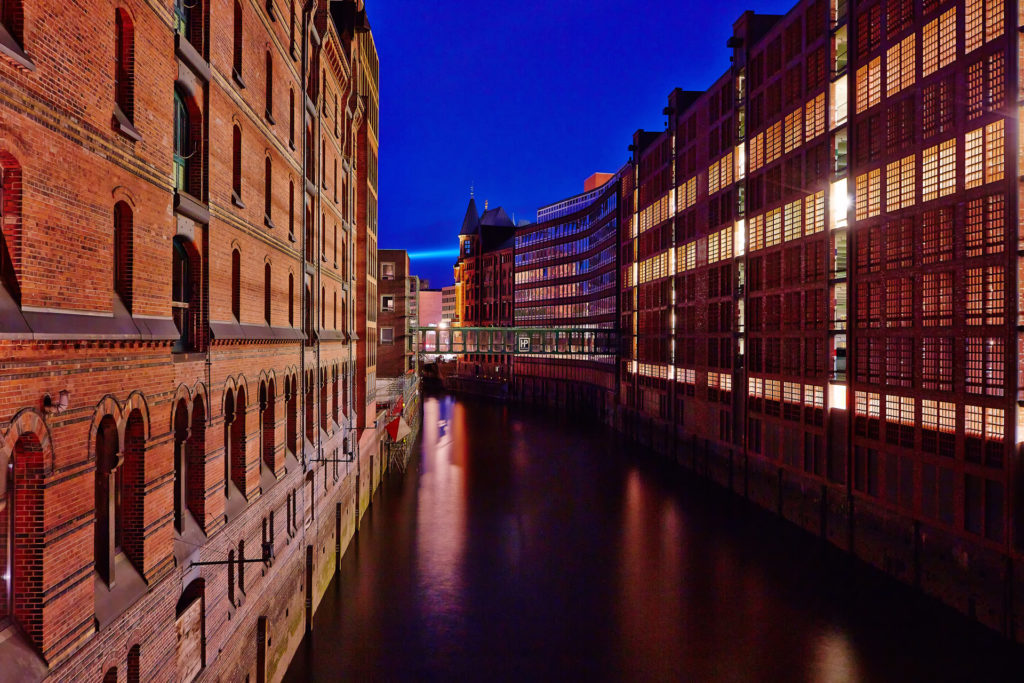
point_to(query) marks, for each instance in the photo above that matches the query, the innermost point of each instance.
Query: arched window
(109, 499)
(267, 419)
(124, 69)
(266, 293)
(6, 539)
(323, 308)
(134, 655)
(335, 245)
(268, 193)
(10, 222)
(236, 284)
(291, 210)
(123, 263)
(183, 148)
(181, 464)
(323, 237)
(310, 405)
(237, 459)
(307, 314)
(334, 394)
(291, 116)
(309, 234)
(291, 300)
(292, 416)
(237, 64)
(236, 166)
(185, 295)
(110, 676)
(270, 88)
(335, 309)
(323, 402)
(291, 10)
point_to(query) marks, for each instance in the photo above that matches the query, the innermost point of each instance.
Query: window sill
(237, 200)
(190, 207)
(271, 14)
(188, 54)
(269, 117)
(268, 222)
(291, 143)
(120, 123)
(291, 238)
(294, 52)
(237, 77)
(12, 52)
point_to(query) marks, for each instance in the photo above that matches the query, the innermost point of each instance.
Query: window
(868, 198)
(124, 68)
(123, 253)
(236, 71)
(186, 298)
(291, 117)
(269, 113)
(119, 484)
(985, 299)
(189, 457)
(291, 300)
(387, 335)
(236, 166)
(900, 62)
(899, 184)
(985, 365)
(266, 292)
(10, 220)
(268, 193)
(387, 270)
(869, 84)
(937, 235)
(387, 303)
(236, 284)
(937, 299)
(12, 37)
(182, 144)
(938, 42)
(291, 210)
(985, 225)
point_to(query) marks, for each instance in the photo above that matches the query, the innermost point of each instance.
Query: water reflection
(528, 547)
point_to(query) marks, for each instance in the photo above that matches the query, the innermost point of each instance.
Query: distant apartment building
(449, 307)
(398, 291)
(566, 276)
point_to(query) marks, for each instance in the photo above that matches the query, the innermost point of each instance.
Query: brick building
(819, 285)
(155, 418)
(484, 283)
(566, 277)
(398, 303)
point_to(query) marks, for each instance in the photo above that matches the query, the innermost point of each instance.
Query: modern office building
(566, 276)
(180, 200)
(819, 286)
(449, 309)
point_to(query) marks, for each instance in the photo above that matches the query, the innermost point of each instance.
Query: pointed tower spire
(471, 223)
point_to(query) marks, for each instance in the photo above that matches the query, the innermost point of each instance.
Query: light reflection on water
(522, 546)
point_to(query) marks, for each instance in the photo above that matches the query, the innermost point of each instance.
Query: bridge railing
(517, 340)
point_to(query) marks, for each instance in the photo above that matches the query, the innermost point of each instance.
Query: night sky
(523, 100)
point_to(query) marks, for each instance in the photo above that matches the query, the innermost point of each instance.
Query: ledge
(310, 187)
(190, 207)
(122, 125)
(10, 49)
(271, 14)
(236, 199)
(269, 117)
(268, 222)
(237, 77)
(310, 107)
(332, 335)
(191, 58)
(55, 326)
(226, 331)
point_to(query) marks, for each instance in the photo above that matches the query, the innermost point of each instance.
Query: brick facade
(203, 394)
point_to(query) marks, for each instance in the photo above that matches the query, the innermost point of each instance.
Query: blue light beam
(435, 254)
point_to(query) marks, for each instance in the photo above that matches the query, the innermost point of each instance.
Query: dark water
(521, 546)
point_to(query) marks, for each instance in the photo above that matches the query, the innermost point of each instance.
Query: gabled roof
(471, 223)
(496, 217)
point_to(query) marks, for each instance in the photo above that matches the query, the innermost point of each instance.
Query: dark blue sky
(523, 100)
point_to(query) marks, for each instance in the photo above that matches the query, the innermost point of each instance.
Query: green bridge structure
(522, 341)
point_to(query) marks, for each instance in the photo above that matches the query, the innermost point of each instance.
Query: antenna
(471, 190)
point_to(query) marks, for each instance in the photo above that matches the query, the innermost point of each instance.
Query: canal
(525, 546)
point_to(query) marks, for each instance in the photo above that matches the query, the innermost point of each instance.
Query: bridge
(522, 341)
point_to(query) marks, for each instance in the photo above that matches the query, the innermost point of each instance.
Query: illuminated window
(930, 173)
(794, 221)
(993, 19)
(994, 151)
(794, 129)
(773, 228)
(985, 225)
(930, 48)
(947, 167)
(937, 363)
(756, 233)
(974, 24)
(937, 299)
(975, 89)
(773, 142)
(868, 197)
(838, 91)
(974, 158)
(814, 213)
(757, 152)
(814, 117)
(985, 299)
(900, 65)
(899, 184)
(937, 235)
(869, 84)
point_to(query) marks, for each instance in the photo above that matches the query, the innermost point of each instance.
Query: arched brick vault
(109, 405)
(123, 194)
(27, 421)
